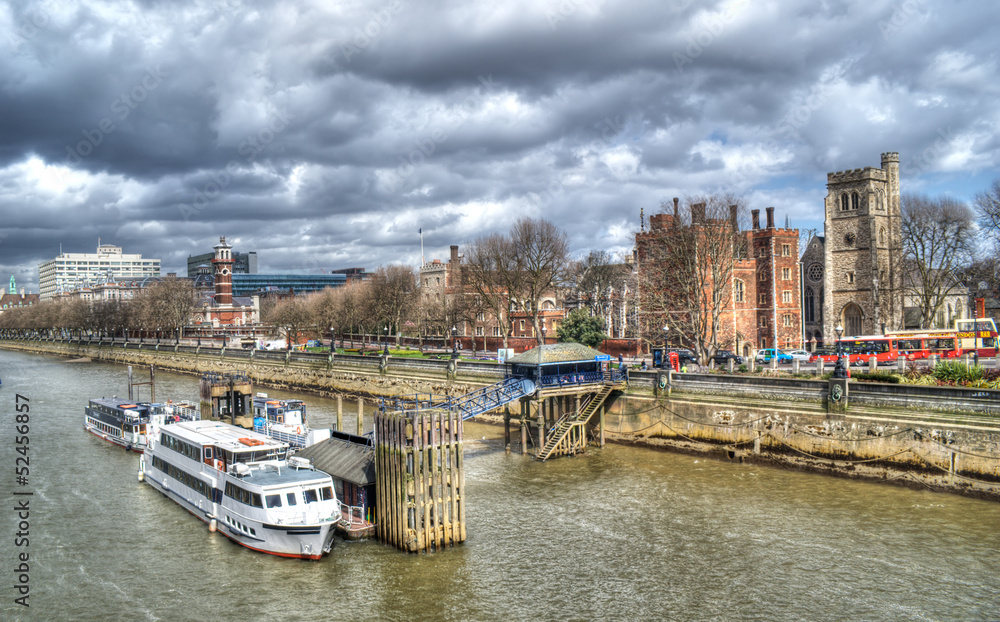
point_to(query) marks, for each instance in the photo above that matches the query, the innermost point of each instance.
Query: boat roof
(344, 458)
(222, 435)
(283, 476)
(119, 402)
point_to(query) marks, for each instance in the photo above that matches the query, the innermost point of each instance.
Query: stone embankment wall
(938, 438)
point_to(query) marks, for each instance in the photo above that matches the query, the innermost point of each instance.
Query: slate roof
(551, 353)
(342, 459)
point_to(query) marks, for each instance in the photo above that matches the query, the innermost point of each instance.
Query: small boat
(285, 420)
(126, 423)
(244, 485)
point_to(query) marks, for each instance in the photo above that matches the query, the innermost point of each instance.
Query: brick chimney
(676, 208)
(733, 219)
(454, 252)
(698, 214)
(770, 218)
(756, 218)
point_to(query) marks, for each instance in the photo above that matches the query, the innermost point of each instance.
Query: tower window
(855, 201)
(844, 202)
(850, 277)
(786, 296)
(786, 274)
(787, 319)
(739, 290)
(786, 250)
(762, 299)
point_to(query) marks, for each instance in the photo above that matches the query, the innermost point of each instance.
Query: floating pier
(226, 396)
(420, 479)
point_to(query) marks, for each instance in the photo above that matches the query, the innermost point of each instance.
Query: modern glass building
(249, 284)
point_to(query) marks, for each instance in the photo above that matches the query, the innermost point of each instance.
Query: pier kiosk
(573, 383)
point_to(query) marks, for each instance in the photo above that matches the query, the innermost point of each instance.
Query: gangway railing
(469, 405)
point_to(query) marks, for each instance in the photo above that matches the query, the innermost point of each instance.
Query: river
(622, 533)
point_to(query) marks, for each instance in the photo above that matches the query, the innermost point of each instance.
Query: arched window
(878, 200)
(844, 205)
(738, 290)
(881, 236)
(852, 320)
(855, 201)
(808, 303)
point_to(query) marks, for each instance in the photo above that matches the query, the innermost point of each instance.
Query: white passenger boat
(285, 420)
(126, 423)
(244, 485)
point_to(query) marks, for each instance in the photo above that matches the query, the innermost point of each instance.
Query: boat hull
(138, 447)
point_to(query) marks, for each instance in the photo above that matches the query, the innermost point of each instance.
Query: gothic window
(852, 319)
(816, 272)
(855, 200)
(739, 290)
(844, 202)
(881, 236)
(878, 200)
(850, 277)
(809, 309)
(786, 250)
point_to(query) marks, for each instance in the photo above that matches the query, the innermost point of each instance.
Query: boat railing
(353, 515)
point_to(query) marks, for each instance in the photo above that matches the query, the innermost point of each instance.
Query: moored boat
(285, 420)
(244, 485)
(127, 424)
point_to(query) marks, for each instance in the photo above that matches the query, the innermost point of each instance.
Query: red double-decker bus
(860, 350)
(968, 336)
(979, 335)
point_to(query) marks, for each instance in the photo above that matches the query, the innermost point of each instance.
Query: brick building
(763, 310)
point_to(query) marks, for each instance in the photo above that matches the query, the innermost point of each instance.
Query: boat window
(326, 493)
(273, 501)
(255, 500)
(310, 495)
(291, 498)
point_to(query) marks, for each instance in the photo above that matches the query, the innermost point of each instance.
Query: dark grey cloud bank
(324, 135)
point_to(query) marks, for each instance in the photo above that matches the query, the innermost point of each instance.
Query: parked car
(722, 357)
(800, 355)
(684, 356)
(765, 355)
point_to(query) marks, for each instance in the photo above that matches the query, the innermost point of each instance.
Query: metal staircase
(560, 439)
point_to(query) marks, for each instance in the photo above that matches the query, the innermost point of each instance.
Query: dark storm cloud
(324, 135)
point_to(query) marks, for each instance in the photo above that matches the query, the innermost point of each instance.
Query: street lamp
(663, 361)
(454, 342)
(838, 370)
(386, 350)
(543, 332)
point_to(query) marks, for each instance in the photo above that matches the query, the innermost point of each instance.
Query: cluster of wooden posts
(420, 479)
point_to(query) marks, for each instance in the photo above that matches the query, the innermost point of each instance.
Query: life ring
(298, 430)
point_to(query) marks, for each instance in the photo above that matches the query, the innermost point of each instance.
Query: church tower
(863, 249)
(223, 263)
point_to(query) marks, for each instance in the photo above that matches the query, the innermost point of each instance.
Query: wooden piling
(420, 480)
(361, 416)
(340, 413)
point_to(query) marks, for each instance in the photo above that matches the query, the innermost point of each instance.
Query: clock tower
(862, 278)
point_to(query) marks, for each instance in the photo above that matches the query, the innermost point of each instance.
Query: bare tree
(393, 296)
(293, 317)
(987, 205)
(491, 272)
(168, 304)
(686, 270)
(937, 241)
(600, 285)
(542, 251)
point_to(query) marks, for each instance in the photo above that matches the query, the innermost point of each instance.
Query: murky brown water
(618, 534)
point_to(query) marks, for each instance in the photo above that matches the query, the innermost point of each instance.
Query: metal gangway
(478, 402)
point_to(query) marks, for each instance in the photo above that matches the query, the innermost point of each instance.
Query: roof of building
(550, 353)
(344, 459)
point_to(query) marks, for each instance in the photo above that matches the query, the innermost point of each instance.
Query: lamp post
(386, 350)
(838, 370)
(663, 361)
(454, 342)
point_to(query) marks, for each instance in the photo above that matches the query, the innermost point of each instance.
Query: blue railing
(469, 405)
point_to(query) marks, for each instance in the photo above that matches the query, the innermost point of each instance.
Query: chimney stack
(733, 219)
(770, 218)
(454, 252)
(756, 218)
(698, 214)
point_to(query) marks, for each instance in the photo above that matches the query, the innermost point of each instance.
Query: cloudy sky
(324, 135)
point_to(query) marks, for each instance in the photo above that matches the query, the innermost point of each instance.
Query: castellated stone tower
(862, 280)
